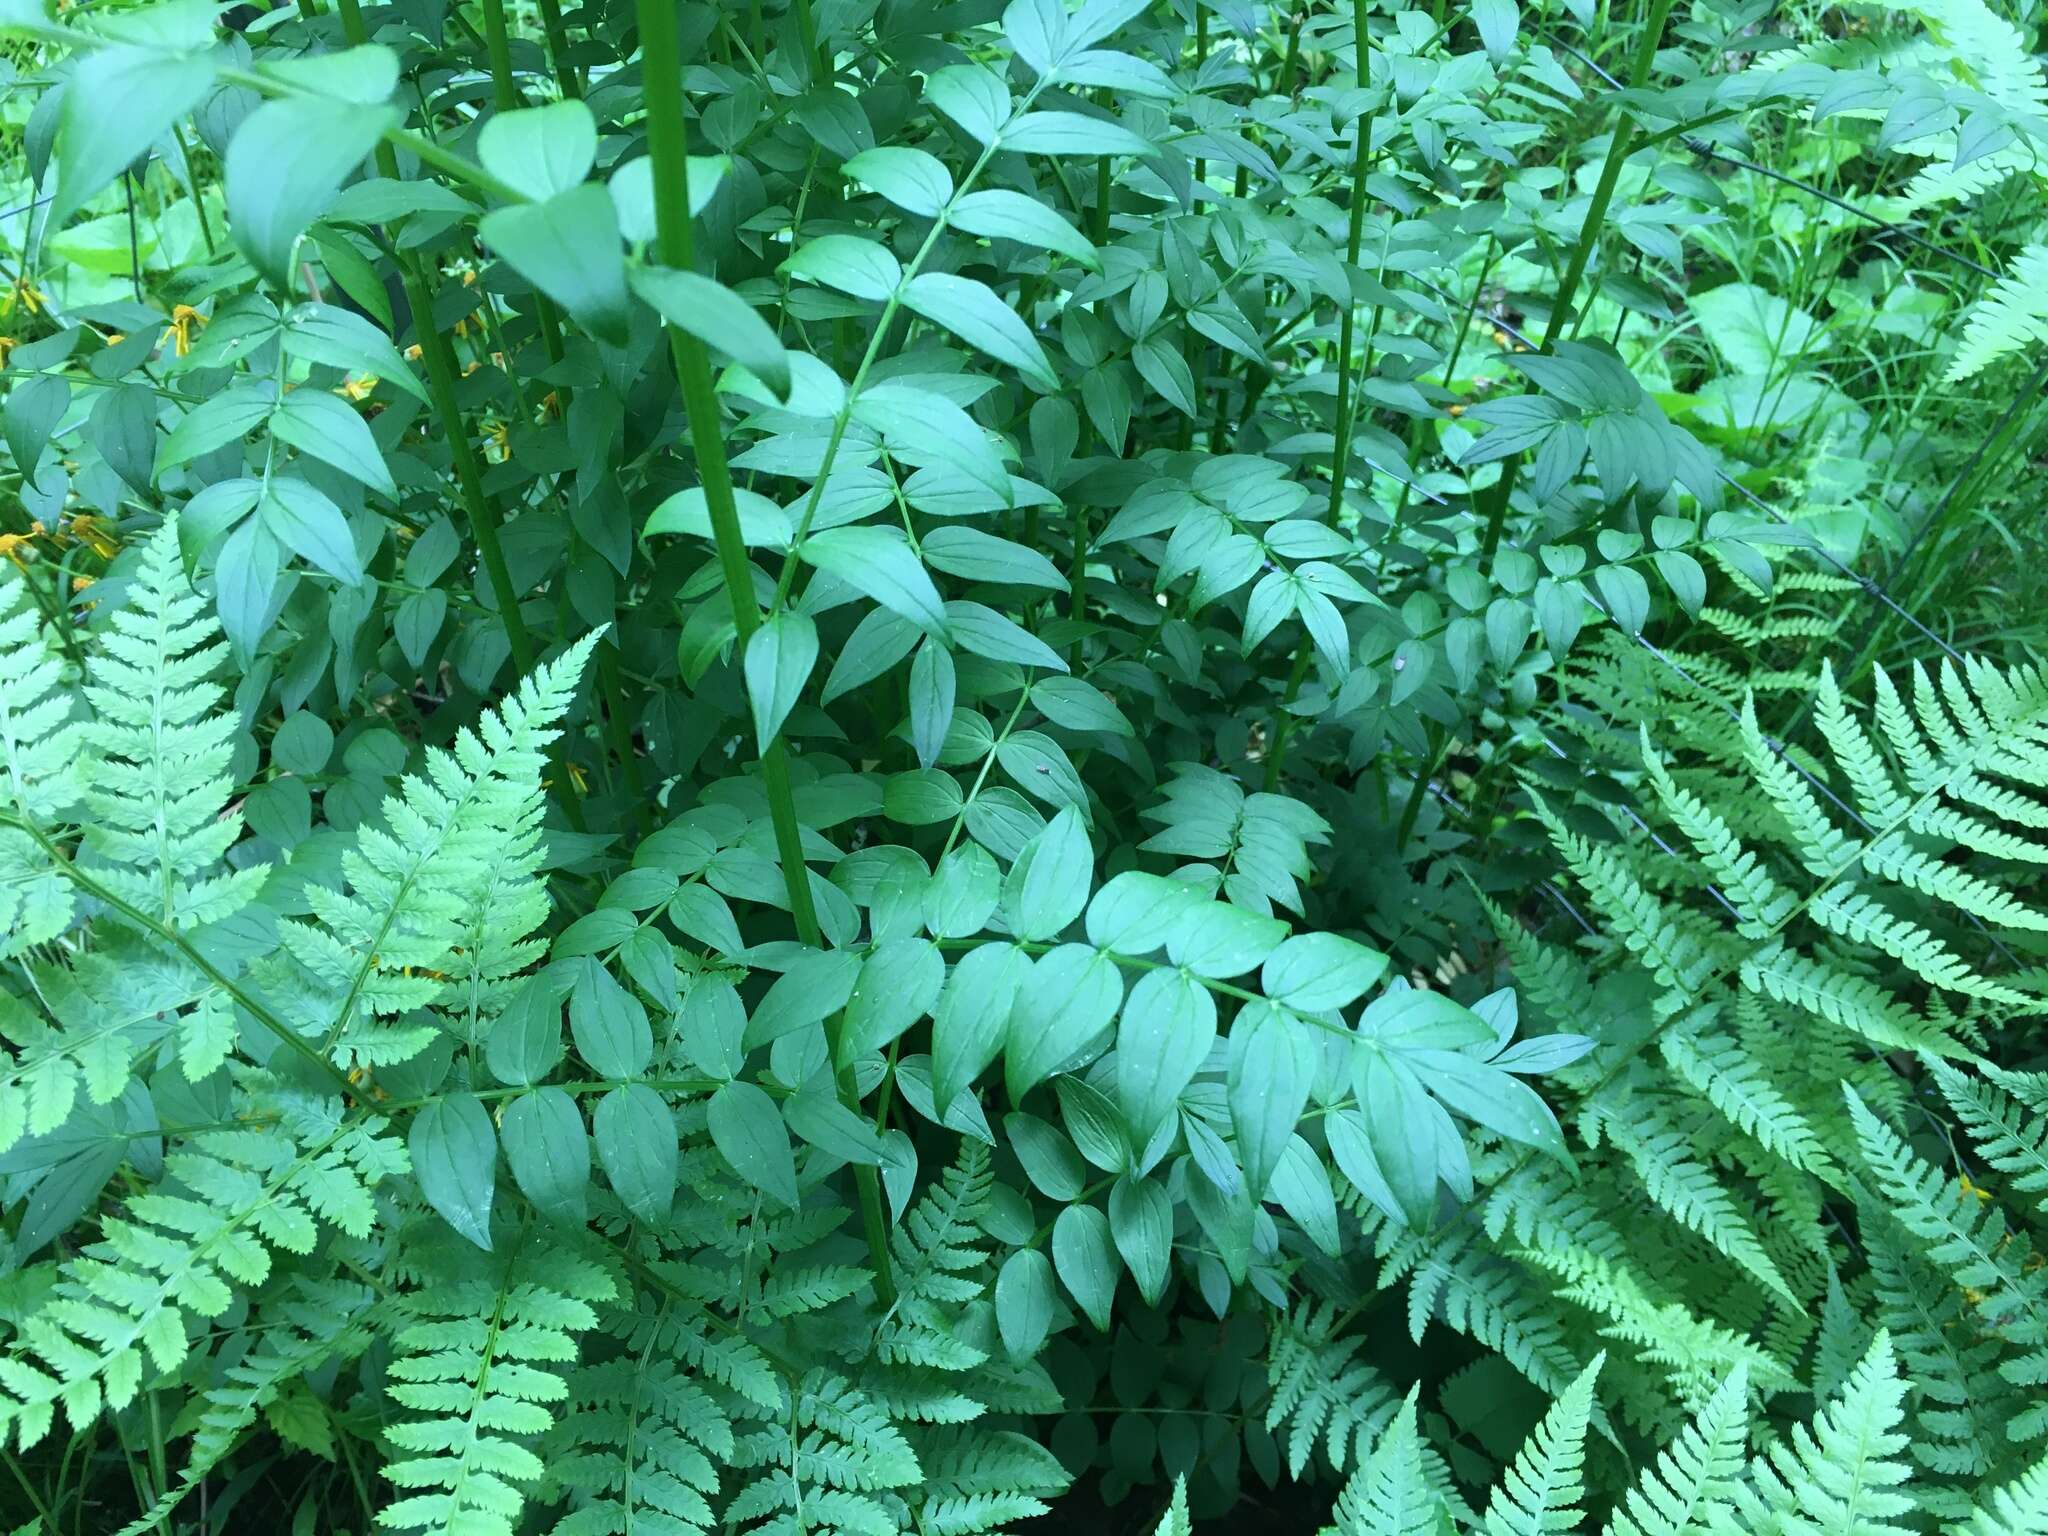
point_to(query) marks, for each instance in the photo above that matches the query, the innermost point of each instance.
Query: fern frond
(1730, 1079)
(440, 902)
(478, 1366)
(1680, 1493)
(1399, 1490)
(121, 1308)
(1540, 1492)
(1968, 1237)
(39, 747)
(157, 782)
(1838, 1477)
(2017, 1508)
(2011, 1139)
(2009, 318)
(1320, 1391)
(1687, 1190)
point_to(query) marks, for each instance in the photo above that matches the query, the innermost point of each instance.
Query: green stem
(505, 97)
(668, 147)
(1340, 465)
(1283, 726)
(558, 49)
(1619, 147)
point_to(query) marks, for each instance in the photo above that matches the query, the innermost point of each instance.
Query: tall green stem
(439, 358)
(668, 147)
(558, 49)
(1619, 147)
(1340, 465)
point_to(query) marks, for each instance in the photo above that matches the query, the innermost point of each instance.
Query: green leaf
(750, 1135)
(1062, 1015)
(1397, 1120)
(924, 428)
(540, 150)
(284, 166)
(1218, 940)
(568, 248)
(1497, 21)
(1013, 216)
(525, 1044)
(1040, 767)
(454, 1152)
(1048, 884)
(1024, 1303)
(1070, 133)
(1085, 1256)
(322, 333)
(1412, 1018)
(763, 524)
(1315, 972)
(962, 892)
(1302, 1186)
(911, 179)
(118, 102)
(933, 689)
(1498, 1100)
(636, 1146)
(976, 556)
(549, 1154)
(972, 1021)
(973, 97)
(1273, 1061)
(719, 318)
(1141, 1220)
(850, 264)
(608, 1024)
(632, 192)
(898, 984)
(780, 656)
(971, 311)
(303, 519)
(328, 428)
(1163, 1040)
(880, 563)
(1079, 706)
(817, 984)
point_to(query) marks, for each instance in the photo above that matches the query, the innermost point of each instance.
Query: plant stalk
(668, 146)
(1340, 465)
(1619, 147)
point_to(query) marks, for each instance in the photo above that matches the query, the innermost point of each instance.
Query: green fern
(156, 780)
(479, 1367)
(39, 748)
(1540, 1492)
(1684, 1490)
(1840, 1477)
(440, 903)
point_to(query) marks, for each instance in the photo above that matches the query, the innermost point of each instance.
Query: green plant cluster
(857, 766)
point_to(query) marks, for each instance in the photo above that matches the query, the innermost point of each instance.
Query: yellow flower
(80, 583)
(7, 345)
(1968, 1188)
(11, 545)
(358, 389)
(94, 534)
(183, 318)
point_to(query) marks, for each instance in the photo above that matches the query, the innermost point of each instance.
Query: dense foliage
(858, 766)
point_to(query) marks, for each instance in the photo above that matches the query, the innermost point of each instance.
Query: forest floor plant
(845, 767)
